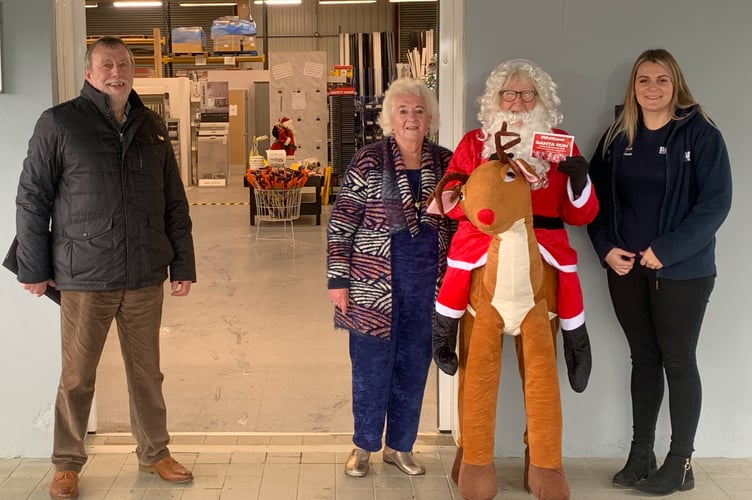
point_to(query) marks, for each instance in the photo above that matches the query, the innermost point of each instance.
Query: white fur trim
(572, 323)
(467, 266)
(570, 268)
(580, 202)
(449, 312)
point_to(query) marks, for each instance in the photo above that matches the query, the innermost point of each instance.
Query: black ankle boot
(640, 464)
(674, 475)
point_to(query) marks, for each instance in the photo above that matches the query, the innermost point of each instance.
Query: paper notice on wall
(298, 100)
(233, 110)
(314, 70)
(552, 147)
(281, 71)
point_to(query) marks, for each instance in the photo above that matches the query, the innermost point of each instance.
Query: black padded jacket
(102, 207)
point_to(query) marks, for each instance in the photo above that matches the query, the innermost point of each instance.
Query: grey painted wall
(588, 46)
(30, 333)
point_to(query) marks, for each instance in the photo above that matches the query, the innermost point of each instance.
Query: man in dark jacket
(102, 216)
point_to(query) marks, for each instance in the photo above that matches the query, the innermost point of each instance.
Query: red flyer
(552, 147)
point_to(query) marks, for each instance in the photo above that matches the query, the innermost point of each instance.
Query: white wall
(588, 46)
(31, 332)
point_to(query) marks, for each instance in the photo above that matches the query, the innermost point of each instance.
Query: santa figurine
(283, 132)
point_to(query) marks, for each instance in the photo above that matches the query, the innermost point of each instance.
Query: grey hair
(110, 42)
(412, 86)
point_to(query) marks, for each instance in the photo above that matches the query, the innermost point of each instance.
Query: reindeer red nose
(486, 217)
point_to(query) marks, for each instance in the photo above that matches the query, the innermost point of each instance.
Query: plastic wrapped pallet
(189, 40)
(232, 25)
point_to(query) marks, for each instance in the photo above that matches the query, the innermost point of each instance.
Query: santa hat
(285, 121)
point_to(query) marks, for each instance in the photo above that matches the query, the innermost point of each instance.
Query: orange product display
(276, 178)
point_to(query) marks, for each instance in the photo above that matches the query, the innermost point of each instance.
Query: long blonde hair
(628, 120)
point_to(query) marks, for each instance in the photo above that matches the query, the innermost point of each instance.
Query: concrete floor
(252, 348)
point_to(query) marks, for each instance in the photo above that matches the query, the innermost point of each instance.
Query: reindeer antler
(501, 148)
(450, 177)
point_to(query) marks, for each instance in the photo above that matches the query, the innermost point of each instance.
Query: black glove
(578, 358)
(576, 167)
(444, 342)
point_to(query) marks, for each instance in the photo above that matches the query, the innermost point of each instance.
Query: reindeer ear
(525, 170)
(449, 200)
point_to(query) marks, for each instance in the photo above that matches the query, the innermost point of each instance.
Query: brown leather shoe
(64, 484)
(169, 470)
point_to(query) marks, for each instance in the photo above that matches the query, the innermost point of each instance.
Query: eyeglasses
(525, 95)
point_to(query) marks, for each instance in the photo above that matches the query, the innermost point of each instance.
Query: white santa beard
(525, 124)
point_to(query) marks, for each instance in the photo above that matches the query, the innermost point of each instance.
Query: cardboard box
(188, 40)
(187, 47)
(235, 43)
(143, 72)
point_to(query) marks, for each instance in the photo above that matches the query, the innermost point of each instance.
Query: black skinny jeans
(661, 319)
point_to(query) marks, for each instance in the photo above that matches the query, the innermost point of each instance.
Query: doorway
(252, 348)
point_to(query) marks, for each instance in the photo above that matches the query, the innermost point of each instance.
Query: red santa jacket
(285, 140)
(468, 247)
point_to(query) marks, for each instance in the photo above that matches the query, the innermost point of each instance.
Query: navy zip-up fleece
(697, 199)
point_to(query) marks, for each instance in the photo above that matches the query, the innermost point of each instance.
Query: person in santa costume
(522, 94)
(283, 132)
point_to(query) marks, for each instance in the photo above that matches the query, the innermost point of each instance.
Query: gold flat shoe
(357, 463)
(404, 460)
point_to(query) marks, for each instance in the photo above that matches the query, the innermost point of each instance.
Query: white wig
(490, 101)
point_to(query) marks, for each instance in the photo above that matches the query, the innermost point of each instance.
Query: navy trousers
(389, 375)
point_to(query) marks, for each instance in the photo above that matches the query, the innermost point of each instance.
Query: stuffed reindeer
(507, 296)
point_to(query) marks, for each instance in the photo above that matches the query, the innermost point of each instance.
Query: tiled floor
(257, 384)
(269, 466)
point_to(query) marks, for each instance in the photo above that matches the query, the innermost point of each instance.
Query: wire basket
(277, 205)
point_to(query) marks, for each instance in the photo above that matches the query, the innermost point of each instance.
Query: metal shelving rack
(159, 60)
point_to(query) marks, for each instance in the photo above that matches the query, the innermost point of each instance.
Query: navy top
(414, 177)
(641, 187)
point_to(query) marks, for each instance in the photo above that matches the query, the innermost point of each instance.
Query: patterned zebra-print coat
(360, 227)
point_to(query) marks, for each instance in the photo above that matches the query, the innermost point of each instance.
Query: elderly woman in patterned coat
(386, 259)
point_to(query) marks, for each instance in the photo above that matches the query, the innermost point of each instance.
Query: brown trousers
(85, 319)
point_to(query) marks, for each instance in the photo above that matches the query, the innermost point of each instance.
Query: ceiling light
(337, 2)
(278, 2)
(137, 3)
(91, 5)
(407, 1)
(208, 4)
